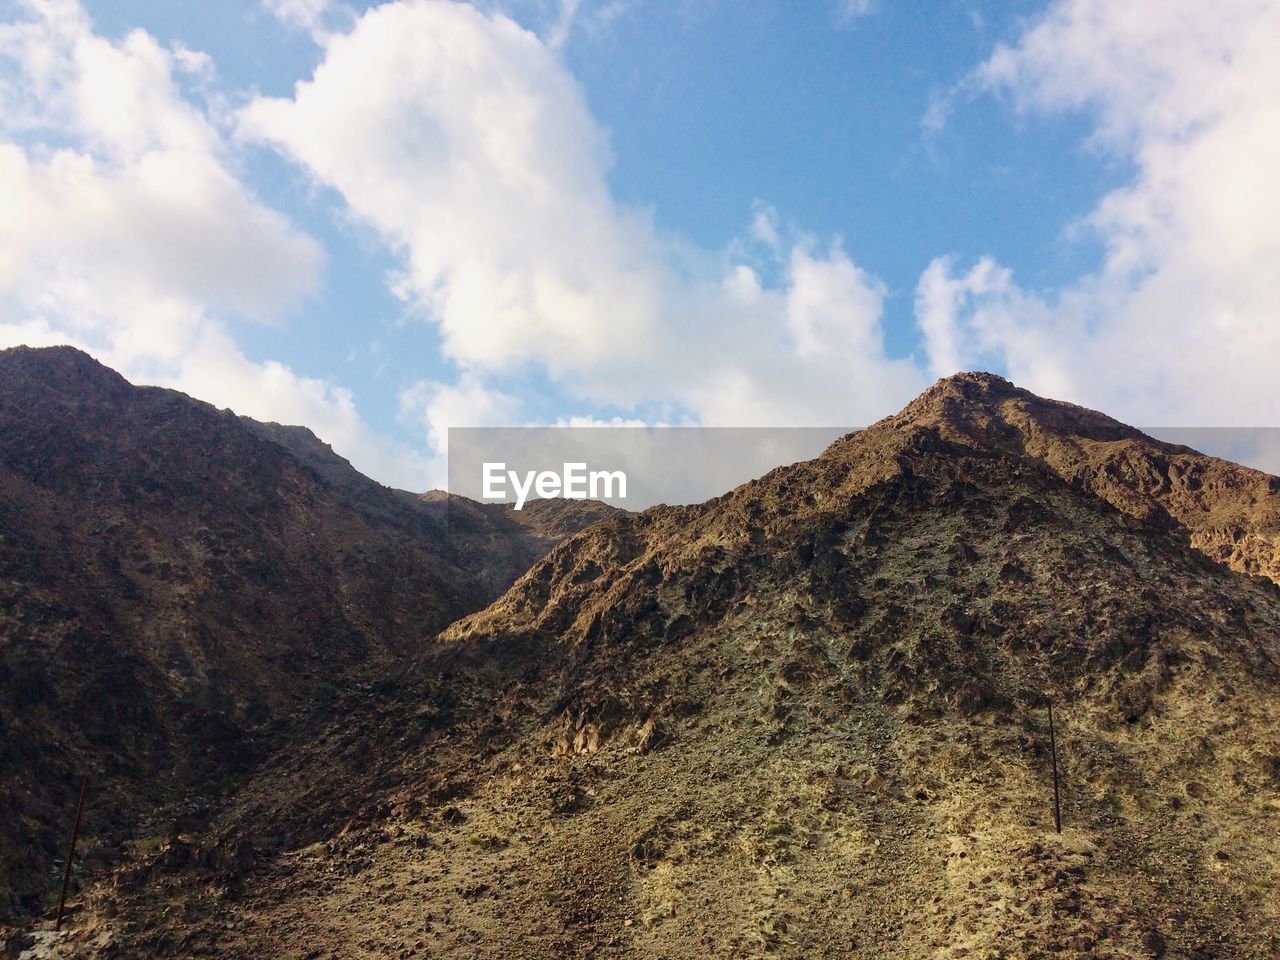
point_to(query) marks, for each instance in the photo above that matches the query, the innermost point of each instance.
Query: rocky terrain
(183, 590)
(805, 719)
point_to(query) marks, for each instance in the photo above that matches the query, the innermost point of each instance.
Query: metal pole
(1053, 751)
(71, 851)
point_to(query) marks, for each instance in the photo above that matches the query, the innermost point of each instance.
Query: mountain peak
(986, 408)
(969, 387)
(967, 381)
(963, 393)
(57, 366)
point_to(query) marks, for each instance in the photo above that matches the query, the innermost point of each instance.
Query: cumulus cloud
(461, 138)
(832, 304)
(134, 200)
(124, 231)
(468, 402)
(465, 143)
(173, 216)
(1178, 323)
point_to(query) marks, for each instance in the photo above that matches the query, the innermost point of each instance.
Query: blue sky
(693, 211)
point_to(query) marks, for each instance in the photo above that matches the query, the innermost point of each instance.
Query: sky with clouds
(384, 220)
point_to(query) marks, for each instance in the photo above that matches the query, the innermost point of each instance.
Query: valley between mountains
(807, 718)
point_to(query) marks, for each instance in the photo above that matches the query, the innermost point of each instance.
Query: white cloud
(940, 298)
(466, 403)
(136, 198)
(941, 103)
(1178, 325)
(558, 34)
(194, 62)
(557, 22)
(833, 305)
(174, 216)
(308, 15)
(587, 420)
(764, 226)
(463, 140)
(124, 232)
(807, 350)
(849, 10)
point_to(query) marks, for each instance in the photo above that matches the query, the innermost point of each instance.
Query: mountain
(490, 543)
(808, 718)
(1228, 512)
(182, 590)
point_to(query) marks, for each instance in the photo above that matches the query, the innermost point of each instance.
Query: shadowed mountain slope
(181, 589)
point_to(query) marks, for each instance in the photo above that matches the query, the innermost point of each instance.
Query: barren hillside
(805, 719)
(182, 590)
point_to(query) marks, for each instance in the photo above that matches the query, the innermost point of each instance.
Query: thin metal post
(71, 851)
(1053, 751)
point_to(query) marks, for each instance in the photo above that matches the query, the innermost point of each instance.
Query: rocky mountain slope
(804, 719)
(182, 589)
(1228, 512)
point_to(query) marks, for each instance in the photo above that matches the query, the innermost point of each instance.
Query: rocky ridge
(807, 718)
(183, 590)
